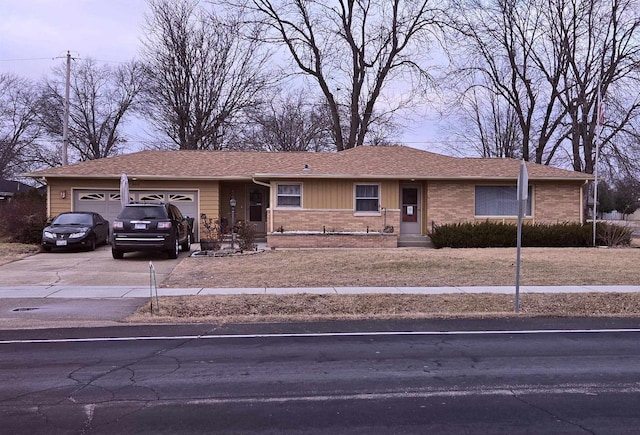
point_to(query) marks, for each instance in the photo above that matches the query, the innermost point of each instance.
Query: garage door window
(179, 197)
(92, 197)
(153, 197)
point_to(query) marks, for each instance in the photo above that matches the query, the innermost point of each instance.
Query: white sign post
(523, 195)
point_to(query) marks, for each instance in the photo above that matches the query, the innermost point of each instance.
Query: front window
(499, 201)
(289, 195)
(367, 198)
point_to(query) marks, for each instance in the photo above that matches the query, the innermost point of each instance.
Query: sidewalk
(119, 292)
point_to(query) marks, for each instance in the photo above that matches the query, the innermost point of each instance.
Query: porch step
(414, 241)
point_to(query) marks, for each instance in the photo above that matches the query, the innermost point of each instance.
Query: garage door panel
(107, 202)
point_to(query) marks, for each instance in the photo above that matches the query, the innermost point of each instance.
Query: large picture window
(499, 201)
(289, 195)
(367, 198)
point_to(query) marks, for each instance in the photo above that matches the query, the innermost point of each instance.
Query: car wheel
(186, 246)
(173, 253)
(117, 254)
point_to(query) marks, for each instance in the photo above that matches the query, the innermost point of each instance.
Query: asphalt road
(442, 377)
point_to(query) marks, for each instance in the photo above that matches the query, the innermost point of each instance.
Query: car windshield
(73, 219)
(139, 213)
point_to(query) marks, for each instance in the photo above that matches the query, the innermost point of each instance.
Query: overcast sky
(34, 32)
(35, 35)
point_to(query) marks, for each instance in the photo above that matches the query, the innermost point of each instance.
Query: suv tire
(186, 246)
(117, 254)
(173, 253)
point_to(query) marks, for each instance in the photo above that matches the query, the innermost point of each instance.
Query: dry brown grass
(14, 251)
(410, 268)
(400, 268)
(392, 267)
(311, 307)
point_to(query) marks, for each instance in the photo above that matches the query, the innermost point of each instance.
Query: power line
(26, 59)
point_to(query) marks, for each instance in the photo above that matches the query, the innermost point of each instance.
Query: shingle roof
(397, 162)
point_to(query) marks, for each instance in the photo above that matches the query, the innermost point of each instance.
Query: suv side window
(174, 213)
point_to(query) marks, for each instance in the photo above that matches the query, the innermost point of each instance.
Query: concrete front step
(414, 242)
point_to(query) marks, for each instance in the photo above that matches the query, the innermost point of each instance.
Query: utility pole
(65, 125)
(599, 122)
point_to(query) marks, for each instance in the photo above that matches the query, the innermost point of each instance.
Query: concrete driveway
(83, 268)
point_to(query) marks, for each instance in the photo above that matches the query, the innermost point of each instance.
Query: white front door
(410, 213)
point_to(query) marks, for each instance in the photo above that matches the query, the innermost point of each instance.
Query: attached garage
(107, 202)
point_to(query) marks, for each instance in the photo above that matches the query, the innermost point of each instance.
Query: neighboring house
(322, 199)
(9, 188)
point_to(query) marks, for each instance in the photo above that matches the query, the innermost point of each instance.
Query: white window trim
(294, 207)
(355, 200)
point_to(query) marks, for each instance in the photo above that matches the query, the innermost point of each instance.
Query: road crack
(549, 413)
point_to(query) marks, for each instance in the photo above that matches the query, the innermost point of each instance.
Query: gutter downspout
(260, 183)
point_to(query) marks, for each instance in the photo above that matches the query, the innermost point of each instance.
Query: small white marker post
(523, 195)
(153, 284)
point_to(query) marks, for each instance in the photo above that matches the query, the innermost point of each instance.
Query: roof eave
(145, 177)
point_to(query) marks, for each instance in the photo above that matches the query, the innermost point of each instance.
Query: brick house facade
(363, 197)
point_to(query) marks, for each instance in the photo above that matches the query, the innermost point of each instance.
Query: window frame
(356, 198)
(278, 195)
(528, 212)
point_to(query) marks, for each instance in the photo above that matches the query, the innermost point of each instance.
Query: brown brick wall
(450, 202)
(453, 202)
(276, 240)
(332, 220)
(557, 203)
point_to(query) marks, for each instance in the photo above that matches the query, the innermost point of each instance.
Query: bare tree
(602, 42)
(288, 123)
(204, 70)
(496, 55)
(547, 60)
(485, 123)
(18, 124)
(353, 49)
(101, 97)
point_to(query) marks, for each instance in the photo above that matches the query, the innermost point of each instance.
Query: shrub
(23, 218)
(474, 235)
(613, 235)
(494, 234)
(246, 236)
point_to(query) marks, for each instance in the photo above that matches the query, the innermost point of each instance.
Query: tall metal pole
(65, 125)
(232, 202)
(599, 115)
(522, 197)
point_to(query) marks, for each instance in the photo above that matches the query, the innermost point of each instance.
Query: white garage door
(107, 202)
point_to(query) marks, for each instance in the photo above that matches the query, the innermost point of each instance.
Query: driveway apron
(96, 268)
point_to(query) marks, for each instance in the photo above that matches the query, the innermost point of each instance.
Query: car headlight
(78, 234)
(48, 235)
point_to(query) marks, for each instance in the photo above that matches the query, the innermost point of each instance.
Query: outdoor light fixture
(232, 203)
(63, 194)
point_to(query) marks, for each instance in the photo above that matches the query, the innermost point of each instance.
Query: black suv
(150, 227)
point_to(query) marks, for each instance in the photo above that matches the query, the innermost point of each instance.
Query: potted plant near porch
(210, 234)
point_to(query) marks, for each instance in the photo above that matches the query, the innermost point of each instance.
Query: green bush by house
(497, 235)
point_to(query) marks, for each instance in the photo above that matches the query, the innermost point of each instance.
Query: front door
(257, 208)
(410, 220)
